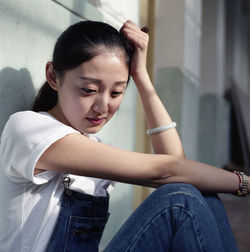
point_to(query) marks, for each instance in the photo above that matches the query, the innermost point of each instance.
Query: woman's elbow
(168, 171)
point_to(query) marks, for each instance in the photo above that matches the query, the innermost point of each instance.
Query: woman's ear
(51, 76)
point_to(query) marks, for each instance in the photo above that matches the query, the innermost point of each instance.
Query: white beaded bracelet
(161, 128)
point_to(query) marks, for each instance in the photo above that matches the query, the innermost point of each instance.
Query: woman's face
(90, 94)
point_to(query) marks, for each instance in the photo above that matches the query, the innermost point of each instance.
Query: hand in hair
(139, 40)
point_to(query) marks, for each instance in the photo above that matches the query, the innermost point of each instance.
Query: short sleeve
(25, 138)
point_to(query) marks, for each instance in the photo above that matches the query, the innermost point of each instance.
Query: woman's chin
(92, 130)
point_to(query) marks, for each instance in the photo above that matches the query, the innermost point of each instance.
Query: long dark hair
(77, 44)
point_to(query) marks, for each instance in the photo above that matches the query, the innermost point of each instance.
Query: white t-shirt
(30, 204)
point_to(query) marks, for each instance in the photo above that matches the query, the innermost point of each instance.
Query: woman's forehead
(107, 65)
(108, 51)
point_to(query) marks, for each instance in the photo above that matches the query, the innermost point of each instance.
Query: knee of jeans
(178, 187)
(185, 191)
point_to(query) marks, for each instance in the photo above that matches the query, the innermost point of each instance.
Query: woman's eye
(88, 91)
(114, 94)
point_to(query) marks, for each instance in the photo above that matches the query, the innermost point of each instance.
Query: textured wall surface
(177, 65)
(214, 130)
(180, 96)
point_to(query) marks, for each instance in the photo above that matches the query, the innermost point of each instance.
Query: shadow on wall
(17, 92)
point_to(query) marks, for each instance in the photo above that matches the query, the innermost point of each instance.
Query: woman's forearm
(205, 177)
(166, 142)
(120, 165)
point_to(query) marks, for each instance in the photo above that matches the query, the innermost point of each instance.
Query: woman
(55, 176)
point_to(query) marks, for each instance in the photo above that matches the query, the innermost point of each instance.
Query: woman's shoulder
(24, 123)
(27, 115)
(23, 120)
(26, 136)
(23, 117)
(18, 119)
(29, 118)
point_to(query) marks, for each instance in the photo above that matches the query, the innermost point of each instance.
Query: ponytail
(46, 98)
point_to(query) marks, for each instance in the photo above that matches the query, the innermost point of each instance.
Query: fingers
(134, 34)
(129, 25)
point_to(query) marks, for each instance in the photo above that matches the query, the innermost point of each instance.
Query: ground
(238, 210)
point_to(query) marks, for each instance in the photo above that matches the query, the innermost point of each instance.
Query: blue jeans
(80, 223)
(175, 217)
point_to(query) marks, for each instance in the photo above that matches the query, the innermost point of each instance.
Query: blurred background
(198, 60)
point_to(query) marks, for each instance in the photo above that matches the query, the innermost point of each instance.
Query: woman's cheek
(75, 107)
(115, 106)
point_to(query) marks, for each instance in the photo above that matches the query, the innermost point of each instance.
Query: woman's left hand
(139, 40)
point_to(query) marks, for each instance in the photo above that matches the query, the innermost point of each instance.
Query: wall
(214, 123)
(237, 46)
(177, 61)
(28, 31)
(224, 58)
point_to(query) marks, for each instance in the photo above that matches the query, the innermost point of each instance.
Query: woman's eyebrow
(90, 79)
(121, 82)
(99, 81)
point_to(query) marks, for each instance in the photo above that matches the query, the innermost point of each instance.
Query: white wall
(169, 34)
(177, 64)
(177, 36)
(192, 39)
(28, 31)
(213, 48)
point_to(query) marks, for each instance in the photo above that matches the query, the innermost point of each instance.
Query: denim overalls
(80, 223)
(175, 217)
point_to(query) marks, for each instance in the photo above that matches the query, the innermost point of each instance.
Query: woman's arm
(77, 154)
(166, 142)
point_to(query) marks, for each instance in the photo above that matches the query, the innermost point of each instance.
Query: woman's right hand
(139, 41)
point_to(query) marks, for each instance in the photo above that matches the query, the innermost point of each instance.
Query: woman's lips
(95, 121)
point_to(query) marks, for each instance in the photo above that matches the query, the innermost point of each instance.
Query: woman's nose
(101, 104)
